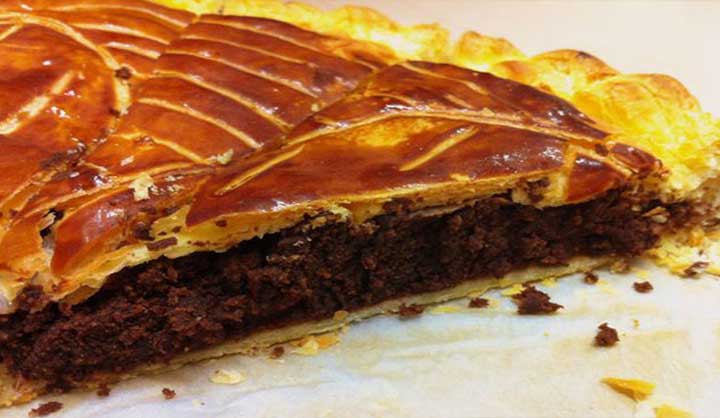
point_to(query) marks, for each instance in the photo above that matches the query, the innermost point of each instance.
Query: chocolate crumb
(103, 390)
(277, 352)
(176, 229)
(591, 278)
(478, 303)
(643, 287)
(606, 336)
(534, 302)
(695, 269)
(45, 409)
(222, 223)
(168, 393)
(409, 311)
(123, 73)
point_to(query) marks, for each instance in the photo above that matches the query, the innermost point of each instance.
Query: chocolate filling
(163, 308)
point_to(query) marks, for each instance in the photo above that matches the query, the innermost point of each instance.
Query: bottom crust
(14, 391)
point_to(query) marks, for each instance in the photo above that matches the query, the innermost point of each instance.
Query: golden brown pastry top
(218, 129)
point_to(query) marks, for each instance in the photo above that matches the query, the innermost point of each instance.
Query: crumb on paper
(668, 411)
(606, 336)
(103, 390)
(409, 311)
(590, 277)
(277, 352)
(534, 302)
(444, 309)
(224, 158)
(643, 287)
(168, 393)
(513, 290)
(478, 303)
(695, 269)
(312, 344)
(141, 187)
(340, 315)
(635, 389)
(227, 377)
(46, 408)
(636, 323)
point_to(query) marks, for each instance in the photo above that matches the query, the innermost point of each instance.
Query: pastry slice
(268, 182)
(69, 72)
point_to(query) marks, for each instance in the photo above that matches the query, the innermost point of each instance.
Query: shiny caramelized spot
(636, 159)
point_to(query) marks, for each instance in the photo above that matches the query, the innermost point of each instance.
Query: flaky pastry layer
(387, 124)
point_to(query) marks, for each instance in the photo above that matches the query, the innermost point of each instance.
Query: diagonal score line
(122, 91)
(243, 100)
(195, 114)
(287, 39)
(246, 47)
(120, 30)
(32, 108)
(257, 170)
(460, 135)
(133, 49)
(100, 7)
(9, 31)
(472, 86)
(239, 67)
(536, 126)
(173, 146)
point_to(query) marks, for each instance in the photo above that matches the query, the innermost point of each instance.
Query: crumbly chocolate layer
(163, 308)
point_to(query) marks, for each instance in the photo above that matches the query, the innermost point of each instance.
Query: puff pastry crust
(147, 131)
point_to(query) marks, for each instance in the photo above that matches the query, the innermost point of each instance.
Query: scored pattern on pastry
(62, 91)
(424, 124)
(204, 104)
(135, 33)
(239, 114)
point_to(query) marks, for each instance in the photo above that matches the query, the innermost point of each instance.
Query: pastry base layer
(15, 391)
